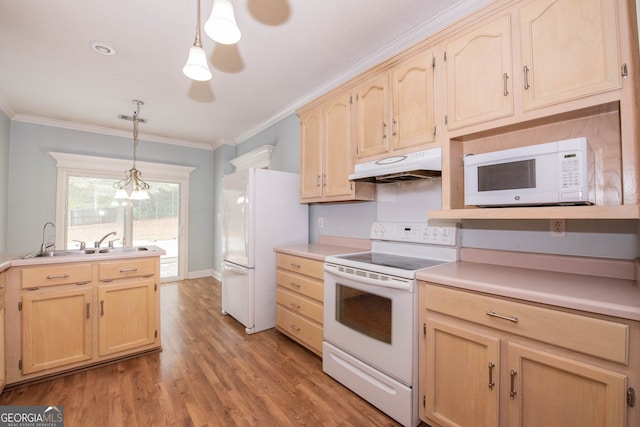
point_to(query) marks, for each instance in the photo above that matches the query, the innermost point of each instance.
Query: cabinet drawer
(301, 265)
(299, 328)
(129, 268)
(307, 286)
(300, 304)
(56, 274)
(597, 337)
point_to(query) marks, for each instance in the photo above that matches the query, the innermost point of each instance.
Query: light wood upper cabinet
(326, 154)
(569, 50)
(395, 108)
(373, 116)
(412, 88)
(311, 154)
(337, 155)
(479, 74)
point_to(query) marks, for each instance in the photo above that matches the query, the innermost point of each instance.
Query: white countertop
(602, 295)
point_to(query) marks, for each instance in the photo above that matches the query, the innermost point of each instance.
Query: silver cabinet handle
(88, 310)
(295, 285)
(295, 265)
(491, 383)
(513, 392)
(505, 77)
(525, 69)
(59, 276)
(492, 313)
(318, 185)
(295, 306)
(294, 328)
(102, 308)
(128, 270)
(393, 128)
(384, 130)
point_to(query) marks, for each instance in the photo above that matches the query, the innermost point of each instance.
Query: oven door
(371, 322)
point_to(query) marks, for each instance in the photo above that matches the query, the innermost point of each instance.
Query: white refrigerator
(261, 209)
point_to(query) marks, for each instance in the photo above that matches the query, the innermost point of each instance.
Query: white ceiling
(291, 51)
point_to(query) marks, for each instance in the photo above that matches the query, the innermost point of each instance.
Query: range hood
(418, 165)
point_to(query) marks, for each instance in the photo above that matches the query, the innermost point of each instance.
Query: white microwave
(554, 173)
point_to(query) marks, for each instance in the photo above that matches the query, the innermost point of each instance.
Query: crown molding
(416, 35)
(259, 158)
(107, 131)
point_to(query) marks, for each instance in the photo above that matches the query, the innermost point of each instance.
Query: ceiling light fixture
(221, 25)
(102, 48)
(132, 179)
(196, 67)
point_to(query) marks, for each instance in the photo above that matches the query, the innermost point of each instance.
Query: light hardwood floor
(210, 373)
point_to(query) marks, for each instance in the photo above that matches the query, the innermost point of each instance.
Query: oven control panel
(416, 232)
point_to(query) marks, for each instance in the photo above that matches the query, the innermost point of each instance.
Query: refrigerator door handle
(229, 266)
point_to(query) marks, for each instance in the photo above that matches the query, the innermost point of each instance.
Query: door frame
(105, 167)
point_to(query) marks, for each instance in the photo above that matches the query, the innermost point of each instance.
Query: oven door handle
(395, 283)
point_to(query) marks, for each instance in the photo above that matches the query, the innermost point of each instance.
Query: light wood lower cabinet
(485, 361)
(299, 299)
(127, 316)
(56, 328)
(71, 315)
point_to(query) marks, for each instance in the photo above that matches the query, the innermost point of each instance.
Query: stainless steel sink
(122, 250)
(81, 252)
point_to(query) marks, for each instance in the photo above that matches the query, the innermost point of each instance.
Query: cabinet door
(373, 115)
(569, 49)
(126, 316)
(311, 154)
(549, 390)
(479, 74)
(337, 146)
(462, 376)
(413, 102)
(56, 329)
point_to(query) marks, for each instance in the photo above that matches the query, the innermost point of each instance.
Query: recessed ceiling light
(103, 48)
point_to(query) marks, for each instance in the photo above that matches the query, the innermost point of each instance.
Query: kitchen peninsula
(75, 310)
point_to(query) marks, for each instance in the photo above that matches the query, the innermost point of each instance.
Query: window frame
(68, 164)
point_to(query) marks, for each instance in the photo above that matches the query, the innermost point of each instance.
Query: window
(86, 207)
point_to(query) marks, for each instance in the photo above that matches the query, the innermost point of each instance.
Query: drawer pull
(492, 313)
(295, 265)
(101, 307)
(59, 276)
(88, 310)
(294, 328)
(294, 305)
(128, 270)
(513, 392)
(295, 285)
(82, 283)
(491, 383)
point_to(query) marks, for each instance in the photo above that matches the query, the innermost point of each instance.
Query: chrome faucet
(99, 242)
(44, 246)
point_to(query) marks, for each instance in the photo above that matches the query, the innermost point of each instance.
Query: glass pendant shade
(196, 67)
(221, 25)
(121, 193)
(139, 195)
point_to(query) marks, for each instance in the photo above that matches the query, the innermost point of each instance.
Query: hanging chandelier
(132, 180)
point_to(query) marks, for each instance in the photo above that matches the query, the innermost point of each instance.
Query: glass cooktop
(388, 260)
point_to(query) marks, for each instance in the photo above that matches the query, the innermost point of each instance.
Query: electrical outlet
(558, 227)
(320, 222)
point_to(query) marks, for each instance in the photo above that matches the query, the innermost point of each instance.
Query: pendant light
(221, 25)
(196, 67)
(133, 178)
